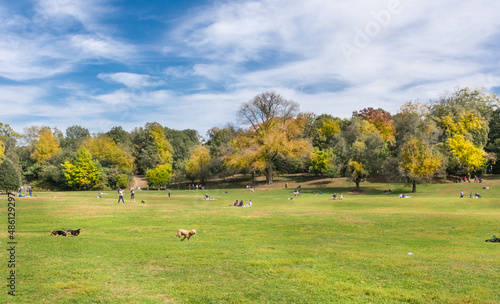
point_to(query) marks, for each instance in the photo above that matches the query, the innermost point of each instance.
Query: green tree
(119, 136)
(219, 141)
(320, 161)
(417, 162)
(413, 121)
(181, 142)
(122, 181)
(159, 176)
(363, 150)
(10, 179)
(151, 147)
(323, 130)
(7, 135)
(83, 172)
(75, 135)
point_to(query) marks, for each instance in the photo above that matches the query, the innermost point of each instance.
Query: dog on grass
(58, 233)
(187, 234)
(494, 240)
(74, 232)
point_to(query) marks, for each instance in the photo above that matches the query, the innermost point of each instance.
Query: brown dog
(187, 234)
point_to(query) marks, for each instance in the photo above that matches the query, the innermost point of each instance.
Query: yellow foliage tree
(417, 162)
(198, 163)
(161, 144)
(258, 149)
(46, 146)
(105, 149)
(470, 157)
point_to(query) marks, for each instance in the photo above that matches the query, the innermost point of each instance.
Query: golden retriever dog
(183, 232)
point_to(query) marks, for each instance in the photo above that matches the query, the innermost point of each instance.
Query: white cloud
(132, 80)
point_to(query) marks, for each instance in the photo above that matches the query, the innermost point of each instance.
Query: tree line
(457, 134)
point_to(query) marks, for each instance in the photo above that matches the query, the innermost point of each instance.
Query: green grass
(308, 250)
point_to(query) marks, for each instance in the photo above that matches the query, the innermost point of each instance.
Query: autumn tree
(47, 145)
(273, 131)
(470, 157)
(108, 152)
(418, 163)
(198, 163)
(464, 117)
(381, 120)
(83, 172)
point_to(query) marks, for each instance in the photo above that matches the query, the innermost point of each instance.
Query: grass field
(367, 248)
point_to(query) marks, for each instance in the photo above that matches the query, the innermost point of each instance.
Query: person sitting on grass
(477, 195)
(401, 195)
(241, 204)
(236, 203)
(335, 196)
(341, 197)
(461, 193)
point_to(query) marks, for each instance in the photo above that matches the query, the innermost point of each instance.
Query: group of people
(195, 186)
(335, 197)
(120, 195)
(466, 179)
(387, 191)
(240, 204)
(477, 195)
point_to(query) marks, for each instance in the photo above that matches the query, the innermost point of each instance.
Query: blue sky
(191, 64)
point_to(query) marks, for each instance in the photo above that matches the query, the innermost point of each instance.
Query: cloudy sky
(192, 63)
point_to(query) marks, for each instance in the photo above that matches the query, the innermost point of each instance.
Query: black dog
(73, 232)
(143, 202)
(58, 232)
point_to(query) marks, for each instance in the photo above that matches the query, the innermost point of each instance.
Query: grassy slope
(309, 250)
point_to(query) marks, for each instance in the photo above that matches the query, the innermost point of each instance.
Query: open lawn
(367, 248)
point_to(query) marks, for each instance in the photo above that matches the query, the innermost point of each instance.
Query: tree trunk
(414, 190)
(357, 185)
(269, 174)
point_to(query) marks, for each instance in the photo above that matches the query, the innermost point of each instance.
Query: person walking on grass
(120, 197)
(168, 192)
(132, 195)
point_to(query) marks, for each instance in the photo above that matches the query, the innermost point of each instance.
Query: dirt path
(139, 181)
